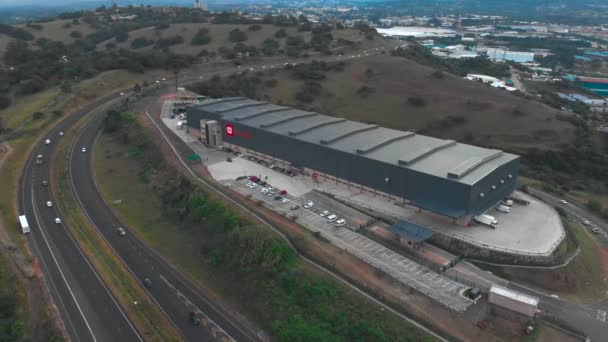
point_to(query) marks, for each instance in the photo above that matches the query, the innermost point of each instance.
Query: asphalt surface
(176, 295)
(89, 310)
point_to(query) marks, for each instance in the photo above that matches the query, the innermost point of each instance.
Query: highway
(89, 310)
(175, 294)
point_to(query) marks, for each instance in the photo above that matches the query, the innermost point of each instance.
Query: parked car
(340, 222)
(283, 192)
(308, 205)
(596, 230)
(285, 200)
(325, 213)
(263, 183)
(586, 222)
(332, 217)
(295, 207)
(277, 197)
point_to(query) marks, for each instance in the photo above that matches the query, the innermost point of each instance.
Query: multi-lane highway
(89, 311)
(175, 294)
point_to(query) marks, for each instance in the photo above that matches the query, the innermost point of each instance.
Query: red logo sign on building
(229, 130)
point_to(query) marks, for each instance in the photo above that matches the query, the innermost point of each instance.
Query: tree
(254, 28)
(201, 37)
(5, 101)
(37, 115)
(270, 47)
(66, 86)
(280, 33)
(237, 35)
(76, 34)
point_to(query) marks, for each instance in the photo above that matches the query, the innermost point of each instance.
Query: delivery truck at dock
(487, 220)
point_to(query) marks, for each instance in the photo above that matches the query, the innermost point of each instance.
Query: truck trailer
(513, 300)
(487, 220)
(25, 227)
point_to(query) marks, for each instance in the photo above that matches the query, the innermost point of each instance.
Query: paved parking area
(404, 270)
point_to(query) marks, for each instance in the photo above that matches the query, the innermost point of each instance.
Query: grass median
(152, 324)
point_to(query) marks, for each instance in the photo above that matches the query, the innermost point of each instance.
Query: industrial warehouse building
(441, 176)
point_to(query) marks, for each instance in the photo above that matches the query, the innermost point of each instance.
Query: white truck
(503, 208)
(487, 220)
(25, 227)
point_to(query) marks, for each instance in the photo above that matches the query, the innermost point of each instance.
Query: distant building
(200, 5)
(501, 55)
(416, 31)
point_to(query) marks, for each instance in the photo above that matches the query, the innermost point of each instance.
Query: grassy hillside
(219, 36)
(398, 93)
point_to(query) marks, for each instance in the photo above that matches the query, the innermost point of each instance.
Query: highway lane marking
(38, 221)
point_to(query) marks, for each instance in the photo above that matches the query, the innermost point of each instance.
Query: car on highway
(324, 213)
(60, 133)
(47, 141)
(308, 205)
(563, 201)
(121, 231)
(49, 204)
(57, 220)
(83, 150)
(147, 282)
(45, 183)
(195, 318)
(332, 217)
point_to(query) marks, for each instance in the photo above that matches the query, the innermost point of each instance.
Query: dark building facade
(441, 176)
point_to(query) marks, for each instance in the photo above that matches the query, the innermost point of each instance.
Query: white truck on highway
(25, 227)
(487, 220)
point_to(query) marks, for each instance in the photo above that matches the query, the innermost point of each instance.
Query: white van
(503, 208)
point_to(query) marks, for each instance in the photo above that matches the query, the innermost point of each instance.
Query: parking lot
(404, 270)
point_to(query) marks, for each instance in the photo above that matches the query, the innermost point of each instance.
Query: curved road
(89, 310)
(175, 294)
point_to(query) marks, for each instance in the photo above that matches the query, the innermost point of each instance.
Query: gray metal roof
(442, 158)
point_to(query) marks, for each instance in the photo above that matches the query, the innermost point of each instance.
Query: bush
(5, 101)
(201, 37)
(31, 87)
(271, 83)
(254, 28)
(270, 47)
(416, 101)
(237, 35)
(76, 34)
(163, 43)
(280, 33)
(37, 115)
(141, 42)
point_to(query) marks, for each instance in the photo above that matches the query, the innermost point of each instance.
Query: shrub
(254, 28)
(280, 33)
(271, 83)
(141, 42)
(416, 101)
(76, 34)
(37, 115)
(5, 101)
(237, 35)
(201, 37)
(31, 87)
(270, 47)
